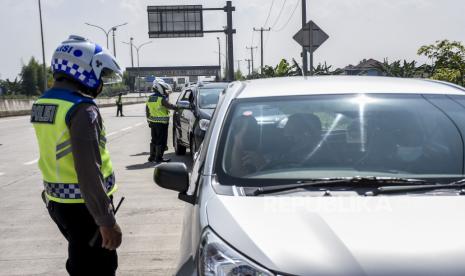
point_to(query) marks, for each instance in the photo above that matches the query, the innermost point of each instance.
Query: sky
(358, 29)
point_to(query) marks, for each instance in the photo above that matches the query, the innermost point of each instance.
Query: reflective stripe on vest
(70, 193)
(157, 112)
(50, 114)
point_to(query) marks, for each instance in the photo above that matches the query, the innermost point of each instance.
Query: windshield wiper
(335, 182)
(416, 188)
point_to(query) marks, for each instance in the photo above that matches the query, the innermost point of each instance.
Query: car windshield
(307, 137)
(208, 97)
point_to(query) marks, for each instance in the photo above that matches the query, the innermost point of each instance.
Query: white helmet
(86, 62)
(160, 86)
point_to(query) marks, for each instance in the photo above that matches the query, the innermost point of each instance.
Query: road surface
(150, 217)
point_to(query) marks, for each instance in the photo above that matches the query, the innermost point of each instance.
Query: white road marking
(9, 120)
(139, 124)
(2, 173)
(124, 129)
(31, 162)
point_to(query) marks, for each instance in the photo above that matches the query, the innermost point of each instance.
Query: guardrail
(18, 107)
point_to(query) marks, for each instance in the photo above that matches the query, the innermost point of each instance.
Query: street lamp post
(219, 57)
(43, 48)
(132, 56)
(107, 33)
(137, 53)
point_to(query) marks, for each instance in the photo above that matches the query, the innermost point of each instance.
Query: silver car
(327, 176)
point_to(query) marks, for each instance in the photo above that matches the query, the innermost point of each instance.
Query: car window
(181, 95)
(208, 97)
(186, 95)
(339, 136)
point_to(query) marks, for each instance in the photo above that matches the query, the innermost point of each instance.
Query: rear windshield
(208, 97)
(342, 136)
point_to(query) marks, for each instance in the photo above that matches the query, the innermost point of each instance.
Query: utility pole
(251, 48)
(132, 57)
(248, 62)
(229, 32)
(238, 64)
(114, 45)
(261, 30)
(304, 52)
(43, 48)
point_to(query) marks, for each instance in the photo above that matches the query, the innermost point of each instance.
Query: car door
(185, 116)
(177, 115)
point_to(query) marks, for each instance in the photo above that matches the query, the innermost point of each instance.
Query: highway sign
(310, 36)
(175, 21)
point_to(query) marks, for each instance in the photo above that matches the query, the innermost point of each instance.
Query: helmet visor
(111, 77)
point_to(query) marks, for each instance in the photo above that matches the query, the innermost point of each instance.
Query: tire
(178, 148)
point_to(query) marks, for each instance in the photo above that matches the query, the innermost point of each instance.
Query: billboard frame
(229, 31)
(165, 12)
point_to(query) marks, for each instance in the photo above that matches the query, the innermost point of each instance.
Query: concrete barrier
(18, 107)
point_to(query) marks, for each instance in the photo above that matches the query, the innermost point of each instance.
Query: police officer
(74, 160)
(119, 105)
(158, 117)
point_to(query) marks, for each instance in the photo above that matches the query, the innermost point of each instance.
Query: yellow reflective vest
(50, 114)
(157, 112)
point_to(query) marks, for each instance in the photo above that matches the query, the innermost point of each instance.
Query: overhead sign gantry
(187, 21)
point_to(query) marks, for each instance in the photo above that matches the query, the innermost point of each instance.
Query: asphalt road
(150, 217)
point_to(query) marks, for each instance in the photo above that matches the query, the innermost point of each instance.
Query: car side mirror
(183, 104)
(173, 176)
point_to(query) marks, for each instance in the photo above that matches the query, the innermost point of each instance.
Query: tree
(400, 69)
(446, 74)
(448, 60)
(29, 76)
(238, 75)
(11, 87)
(268, 72)
(129, 81)
(322, 70)
(296, 70)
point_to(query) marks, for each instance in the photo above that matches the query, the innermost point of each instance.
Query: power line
(289, 19)
(282, 27)
(279, 15)
(269, 13)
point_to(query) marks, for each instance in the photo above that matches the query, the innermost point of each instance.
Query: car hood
(402, 235)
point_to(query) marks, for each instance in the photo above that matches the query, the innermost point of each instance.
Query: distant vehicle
(196, 105)
(326, 176)
(181, 83)
(207, 78)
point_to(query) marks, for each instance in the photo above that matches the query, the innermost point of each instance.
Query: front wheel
(178, 148)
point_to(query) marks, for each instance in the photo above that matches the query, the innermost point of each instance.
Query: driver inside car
(244, 155)
(303, 137)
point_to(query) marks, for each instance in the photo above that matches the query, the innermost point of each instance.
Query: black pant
(119, 109)
(78, 227)
(159, 134)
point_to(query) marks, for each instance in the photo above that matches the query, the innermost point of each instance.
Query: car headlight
(203, 124)
(219, 259)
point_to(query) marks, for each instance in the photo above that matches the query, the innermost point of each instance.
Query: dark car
(196, 105)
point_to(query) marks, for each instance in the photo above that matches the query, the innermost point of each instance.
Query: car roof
(295, 86)
(212, 85)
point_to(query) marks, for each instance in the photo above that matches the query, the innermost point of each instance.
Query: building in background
(367, 67)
